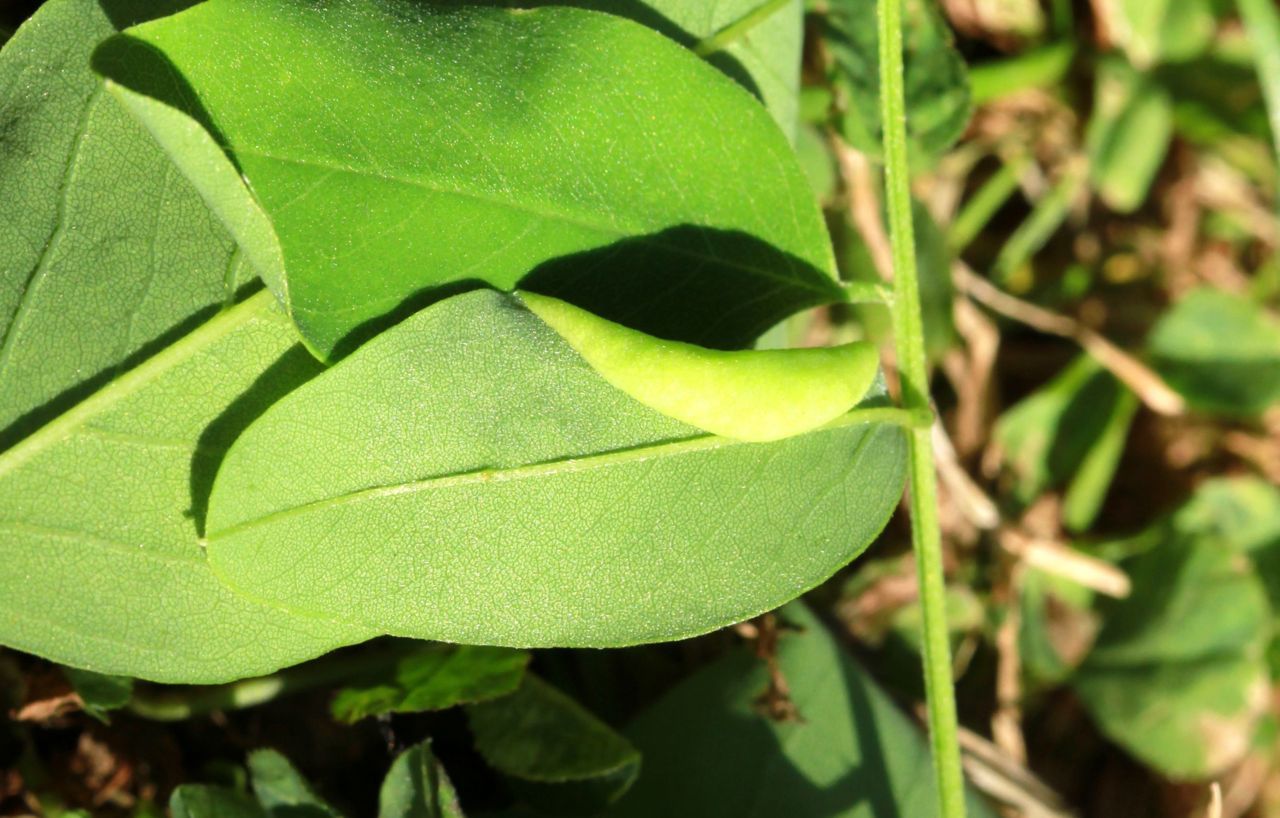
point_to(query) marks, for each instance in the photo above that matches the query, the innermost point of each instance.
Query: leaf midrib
(703, 441)
(68, 423)
(611, 229)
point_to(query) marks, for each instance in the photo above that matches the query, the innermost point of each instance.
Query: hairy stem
(909, 342)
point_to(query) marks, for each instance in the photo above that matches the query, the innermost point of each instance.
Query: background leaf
(436, 677)
(529, 502)
(1221, 352)
(418, 787)
(937, 83)
(562, 759)
(120, 382)
(1129, 134)
(1178, 674)
(610, 186)
(281, 789)
(99, 693)
(200, 801)
(709, 750)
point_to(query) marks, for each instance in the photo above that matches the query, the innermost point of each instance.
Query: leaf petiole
(738, 29)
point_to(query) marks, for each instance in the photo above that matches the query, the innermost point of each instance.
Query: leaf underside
(626, 192)
(528, 502)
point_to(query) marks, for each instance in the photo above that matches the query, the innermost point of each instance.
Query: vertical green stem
(909, 341)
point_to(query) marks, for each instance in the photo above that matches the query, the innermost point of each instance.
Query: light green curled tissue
(749, 395)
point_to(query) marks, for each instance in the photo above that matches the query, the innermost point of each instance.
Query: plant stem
(738, 29)
(909, 343)
(180, 703)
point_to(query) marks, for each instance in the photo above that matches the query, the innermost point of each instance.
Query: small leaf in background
(710, 752)
(1153, 31)
(1058, 626)
(753, 395)
(529, 503)
(1178, 674)
(1221, 352)
(99, 692)
(201, 801)
(518, 125)
(281, 789)
(1070, 432)
(435, 678)
(1128, 135)
(937, 84)
(418, 787)
(562, 759)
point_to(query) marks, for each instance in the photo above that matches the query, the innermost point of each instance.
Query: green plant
(366, 364)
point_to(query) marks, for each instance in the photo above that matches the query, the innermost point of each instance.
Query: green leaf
(937, 83)
(765, 61)
(99, 693)
(1219, 351)
(753, 395)
(528, 502)
(571, 762)
(281, 789)
(418, 787)
(121, 383)
(769, 53)
(1178, 676)
(435, 678)
(200, 801)
(1129, 134)
(607, 186)
(1069, 432)
(1089, 485)
(709, 751)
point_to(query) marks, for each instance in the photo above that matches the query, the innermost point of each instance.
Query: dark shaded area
(292, 370)
(415, 303)
(717, 288)
(638, 12)
(143, 68)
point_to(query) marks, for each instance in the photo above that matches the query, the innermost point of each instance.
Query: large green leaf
(709, 751)
(605, 187)
(1221, 352)
(1178, 674)
(120, 382)
(765, 60)
(937, 83)
(490, 487)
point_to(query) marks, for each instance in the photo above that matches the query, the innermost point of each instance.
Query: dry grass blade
(1149, 387)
